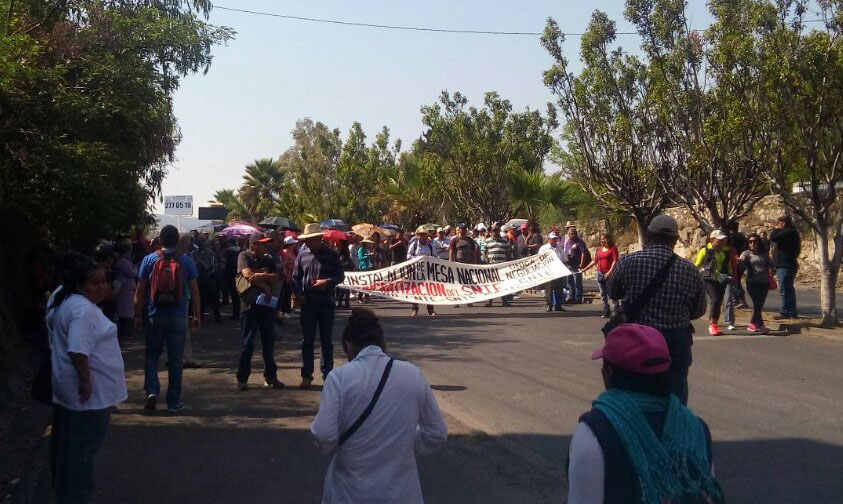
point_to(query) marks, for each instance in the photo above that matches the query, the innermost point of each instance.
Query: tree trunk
(828, 281)
(641, 224)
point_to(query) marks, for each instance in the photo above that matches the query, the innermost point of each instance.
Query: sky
(277, 71)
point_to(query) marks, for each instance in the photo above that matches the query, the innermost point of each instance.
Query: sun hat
(290, 241)
(422, 229)
(447, 228)
(311, 231)
(259, 238)
(720, 235)
(664, 225)
(570, 224)
(635, 348)
(367, 240)
(552, 236)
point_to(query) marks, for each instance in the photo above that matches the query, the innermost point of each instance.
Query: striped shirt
(498, 250)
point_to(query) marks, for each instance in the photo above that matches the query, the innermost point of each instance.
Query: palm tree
(262, 186)
(237, 210)
(532, 192)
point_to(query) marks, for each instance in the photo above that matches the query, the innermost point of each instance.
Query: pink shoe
(753, 328)
(714, 330)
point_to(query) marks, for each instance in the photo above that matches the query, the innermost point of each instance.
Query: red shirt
(605, 259)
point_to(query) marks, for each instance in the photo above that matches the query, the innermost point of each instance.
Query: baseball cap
(259, 238)
(481, 227)
(552, 236)
(720, 235)
(290, 240)
(635, 348)
(462, 225)
(525, 226)
(447, 228)
(664, 225)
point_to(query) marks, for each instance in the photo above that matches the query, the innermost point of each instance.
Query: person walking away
(229, 273)
(366, 259)
(463, 249)
(184, 246)
(256, 311)
(344, 295)
(639, 443)
(553, 293)
(88, 378)
(399, 248)
(576, 256)
(316, 275)
(759, 269)
(605, 258)
(498, 250)
(786, 259)
(208, 269)
(678, 298)
(422, 246)
(161, 309)
(714, 264)
(375, 414)
(125, 275)
(288, 262)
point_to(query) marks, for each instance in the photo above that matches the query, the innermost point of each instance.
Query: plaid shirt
(677, 301)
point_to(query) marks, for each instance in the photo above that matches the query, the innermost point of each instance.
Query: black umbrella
(279, 222)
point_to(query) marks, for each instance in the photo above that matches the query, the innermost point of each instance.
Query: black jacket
(788, 246)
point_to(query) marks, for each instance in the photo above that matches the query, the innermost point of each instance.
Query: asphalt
(511, 383)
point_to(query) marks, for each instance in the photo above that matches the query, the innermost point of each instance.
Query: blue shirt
(325, 264)
(145, 271)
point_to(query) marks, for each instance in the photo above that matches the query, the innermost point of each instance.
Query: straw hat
(422, 229)
(570, 224)
(367, 240)
(311, 231)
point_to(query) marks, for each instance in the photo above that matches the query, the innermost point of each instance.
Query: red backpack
(167, 281)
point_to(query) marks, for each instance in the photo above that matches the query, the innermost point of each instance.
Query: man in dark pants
(316, 274)
(786, 259)
(229, 272)
(259, 269)
(678, 300)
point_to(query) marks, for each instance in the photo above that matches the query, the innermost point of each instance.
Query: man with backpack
(161, 307)
(422, 246)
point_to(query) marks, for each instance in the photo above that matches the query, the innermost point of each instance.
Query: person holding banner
(498, 250)
(463, 248)
(422, 246)
(553, 294)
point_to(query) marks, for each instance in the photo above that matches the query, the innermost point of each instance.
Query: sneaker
(176, 408)
(305, 382)
(414, 313)
(151, 402)
(548, 308)
(273, 383)
(731, 327)
(714, 330)
(242, 386)
(753, 328)
(431, 314)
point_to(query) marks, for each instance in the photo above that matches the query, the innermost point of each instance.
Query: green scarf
(672, 469)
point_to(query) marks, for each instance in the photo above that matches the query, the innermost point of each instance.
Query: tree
(361, 170)
(706, 107)
(262, 186)
(410, 193)
(477, 148)
(802, 74)
(237, 209)
(532, 192)
(609, 143)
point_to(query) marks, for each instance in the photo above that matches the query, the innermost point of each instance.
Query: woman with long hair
(759, 269)
(605, 257)
(88, 375)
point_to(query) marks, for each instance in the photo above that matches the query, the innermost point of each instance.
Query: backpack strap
(368, 411)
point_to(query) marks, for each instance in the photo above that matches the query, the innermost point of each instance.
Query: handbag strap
(635, 307)
(368, 411)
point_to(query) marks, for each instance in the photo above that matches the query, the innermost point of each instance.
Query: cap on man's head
(664, 225)
(525, 226)
(720, 235)
(553, 236)
(259, 238)
(447, 228)
(290, 241)
(635, 348)
(462, 225)
(481, 227)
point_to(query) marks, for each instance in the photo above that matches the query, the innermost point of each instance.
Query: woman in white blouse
(375, 461)
(88, 378)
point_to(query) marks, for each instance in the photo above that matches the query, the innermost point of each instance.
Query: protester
(521, 240)
(229, 274)
(398, 248)
(736, 297)
(716, 270)
(765, 240)
(639, 443)
(423, 246)
(463, 249)
(786, 259)
(534, 239)
(576, 256)
(257, 312)
(553, 293)
(104, 256)
(344, 295)
(678, 298)
(374, 414)
(125, 275)
(316, 275)
(288, 262)
(207, 267)
(366, 261)
(605, 258)
(498, 249)
(759, 269)
(161, 306)
(442, 244)
(88, 379)
(184, 246)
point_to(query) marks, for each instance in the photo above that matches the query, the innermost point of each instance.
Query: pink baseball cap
(636, 348)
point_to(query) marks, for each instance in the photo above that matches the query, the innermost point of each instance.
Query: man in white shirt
(553, 294)
(442, 243)
(375, 461)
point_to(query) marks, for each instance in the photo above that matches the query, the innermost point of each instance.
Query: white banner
(178, 205)
(434, 281)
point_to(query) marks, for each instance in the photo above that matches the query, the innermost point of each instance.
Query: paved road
(512, 384)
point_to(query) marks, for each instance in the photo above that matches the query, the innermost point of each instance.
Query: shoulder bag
(630, 311)
(368, 411)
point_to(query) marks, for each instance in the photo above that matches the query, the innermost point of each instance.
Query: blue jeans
(160, 330)
(575, 286)
(731, 302)
(75, 440)
(679, 343)
(604, 289)
(317, 312)
(785, 277)
(257, 318)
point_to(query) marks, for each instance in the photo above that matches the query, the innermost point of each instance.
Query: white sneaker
(731, 327)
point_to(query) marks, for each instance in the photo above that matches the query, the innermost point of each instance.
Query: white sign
(178, 205)
(434, 281)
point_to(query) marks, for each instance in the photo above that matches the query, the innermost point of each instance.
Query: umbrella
(239, 229)
(367, 230)
(278, 222)
(513, 223)
(335, 236)
(390, 229)
(334, 224)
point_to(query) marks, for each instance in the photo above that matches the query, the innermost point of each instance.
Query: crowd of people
(167, 286)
